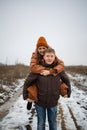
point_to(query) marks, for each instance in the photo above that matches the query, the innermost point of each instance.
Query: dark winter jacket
(48, 88)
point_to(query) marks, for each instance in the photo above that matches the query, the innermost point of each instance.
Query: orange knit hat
(42, 42)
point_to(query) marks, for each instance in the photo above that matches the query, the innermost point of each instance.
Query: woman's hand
(45, 72)
(30, 100)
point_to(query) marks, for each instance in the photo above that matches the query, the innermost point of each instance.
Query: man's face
(49, 57)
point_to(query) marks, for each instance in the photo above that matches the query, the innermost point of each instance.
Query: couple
(47, 72)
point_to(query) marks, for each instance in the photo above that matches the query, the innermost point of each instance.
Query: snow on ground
(72, 113)
(9, 90)
(81, 79)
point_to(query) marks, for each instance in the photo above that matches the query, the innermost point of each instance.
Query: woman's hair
(41, 42)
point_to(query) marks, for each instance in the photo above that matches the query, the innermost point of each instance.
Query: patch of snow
(74, 113)
(82, 79)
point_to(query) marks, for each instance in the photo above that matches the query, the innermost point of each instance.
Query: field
(77, 69)
(9, 79)
(12, 103)
(10, 74)
(72, 112)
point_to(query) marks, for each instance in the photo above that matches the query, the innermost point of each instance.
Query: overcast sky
(62, 22)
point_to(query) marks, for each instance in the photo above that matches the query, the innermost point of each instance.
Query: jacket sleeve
(34, 67)
(60, 67)
(65, 79)
(28, 81)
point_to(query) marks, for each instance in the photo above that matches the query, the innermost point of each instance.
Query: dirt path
(4, 109)
(67, 118)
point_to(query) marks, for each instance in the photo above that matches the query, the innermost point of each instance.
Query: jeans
(41, 117)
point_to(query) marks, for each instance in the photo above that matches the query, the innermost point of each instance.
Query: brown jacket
(36, 68)
(48, 88)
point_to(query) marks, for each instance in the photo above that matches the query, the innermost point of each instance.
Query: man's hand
(45, 72)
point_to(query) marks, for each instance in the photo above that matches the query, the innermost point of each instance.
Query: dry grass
(77, 69)
(9, 76)
(10, 73)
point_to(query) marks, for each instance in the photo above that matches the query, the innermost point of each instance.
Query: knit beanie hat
(42, 42)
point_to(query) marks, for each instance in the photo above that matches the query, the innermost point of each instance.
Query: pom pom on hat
(42, 42)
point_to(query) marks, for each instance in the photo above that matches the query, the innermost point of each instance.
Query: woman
(37, 57)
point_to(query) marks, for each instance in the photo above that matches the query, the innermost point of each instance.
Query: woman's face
(41, 49)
